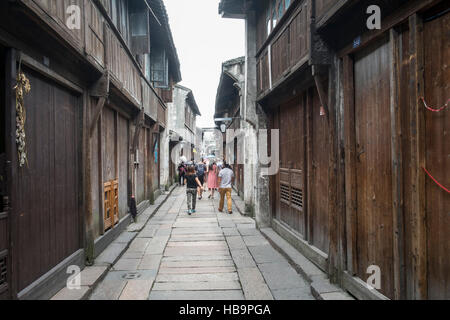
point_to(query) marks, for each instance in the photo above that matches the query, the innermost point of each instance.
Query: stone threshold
(91, 276)
(321, 287)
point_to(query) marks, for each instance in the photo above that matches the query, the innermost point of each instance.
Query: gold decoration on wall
(22, 87)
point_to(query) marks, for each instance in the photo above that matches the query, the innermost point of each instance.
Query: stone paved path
(206, 256)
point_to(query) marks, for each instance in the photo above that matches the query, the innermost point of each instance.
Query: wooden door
(437, 146)
(289, 183)
(318, 175)
(108, 217)
(374, 234)
(46, 199)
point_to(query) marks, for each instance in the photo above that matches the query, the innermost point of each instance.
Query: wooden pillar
(417, 131)
(350, 164)
(397, 169)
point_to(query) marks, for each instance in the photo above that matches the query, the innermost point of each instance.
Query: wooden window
(139, 28)
(159, 68)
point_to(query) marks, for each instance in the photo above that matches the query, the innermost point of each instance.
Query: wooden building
(228, 106)
(101, 73)
(364, 161)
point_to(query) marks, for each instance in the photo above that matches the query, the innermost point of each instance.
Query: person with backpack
(201, 169)
(182, 173)
(192, 184)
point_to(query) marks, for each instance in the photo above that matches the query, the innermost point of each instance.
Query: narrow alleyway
(206, 256)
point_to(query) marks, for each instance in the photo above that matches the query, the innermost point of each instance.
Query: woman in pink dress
(212, 179)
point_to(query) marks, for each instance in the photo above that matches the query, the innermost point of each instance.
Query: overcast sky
(204, 40)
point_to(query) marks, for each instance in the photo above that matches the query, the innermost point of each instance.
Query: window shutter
(140, 32)
(159, 68)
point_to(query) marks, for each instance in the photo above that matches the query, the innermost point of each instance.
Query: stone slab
(72, 295)
(197, 295)
(192, 231)
(254, 285)
(125, 237)
(292, 294)
(197, 264)
(150, 262)
(282, 276)
(265, 254)
(111, 254)
(126, 265)
(109, 289)
(198, 244)
(90, 275)
(136, 290)
(258, 240)
(230, 232)
(197, 258)
(139, 244)
(243, 259)
(193, 286)
(235, 242)
(196, 270)
(336, 296)
(195, 251)
(207, 277)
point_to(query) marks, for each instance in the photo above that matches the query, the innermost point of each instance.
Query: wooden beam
(417, 131)
(99, 89)
(139, 124)
(397, 168)
(350, 164)
(308, 102)
(334, 213)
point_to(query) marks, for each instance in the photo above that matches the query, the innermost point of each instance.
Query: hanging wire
(437, 182)
(432, 108)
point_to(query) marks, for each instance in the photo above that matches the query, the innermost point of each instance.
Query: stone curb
(321, 287)
(86, 290)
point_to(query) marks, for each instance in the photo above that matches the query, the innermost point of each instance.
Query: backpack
(201, 170)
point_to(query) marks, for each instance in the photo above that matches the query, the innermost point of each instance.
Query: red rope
(440, 185)
(433, 109)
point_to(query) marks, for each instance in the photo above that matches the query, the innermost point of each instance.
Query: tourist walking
(226, 180)
(212, 179)
(192, 183)
(182, 172)
(201, 171)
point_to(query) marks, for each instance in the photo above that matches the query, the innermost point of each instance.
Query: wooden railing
(288, 49)
(104, 47)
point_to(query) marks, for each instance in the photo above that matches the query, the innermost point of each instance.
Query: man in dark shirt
(192, 183)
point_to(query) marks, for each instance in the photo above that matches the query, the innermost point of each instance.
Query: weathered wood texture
(373, 166)
(290, 182)
(320, 150)
(48, 200)
(57, 10)
(288, 47)
(437, 83)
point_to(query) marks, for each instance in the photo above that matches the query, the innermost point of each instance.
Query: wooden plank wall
(288, 48)
(48, 197)
(437, 79)
(56, 9)
(95, 39)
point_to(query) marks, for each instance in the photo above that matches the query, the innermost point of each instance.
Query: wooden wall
(48, 189)
(397, 216)
(437, 78)
(288, 44)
